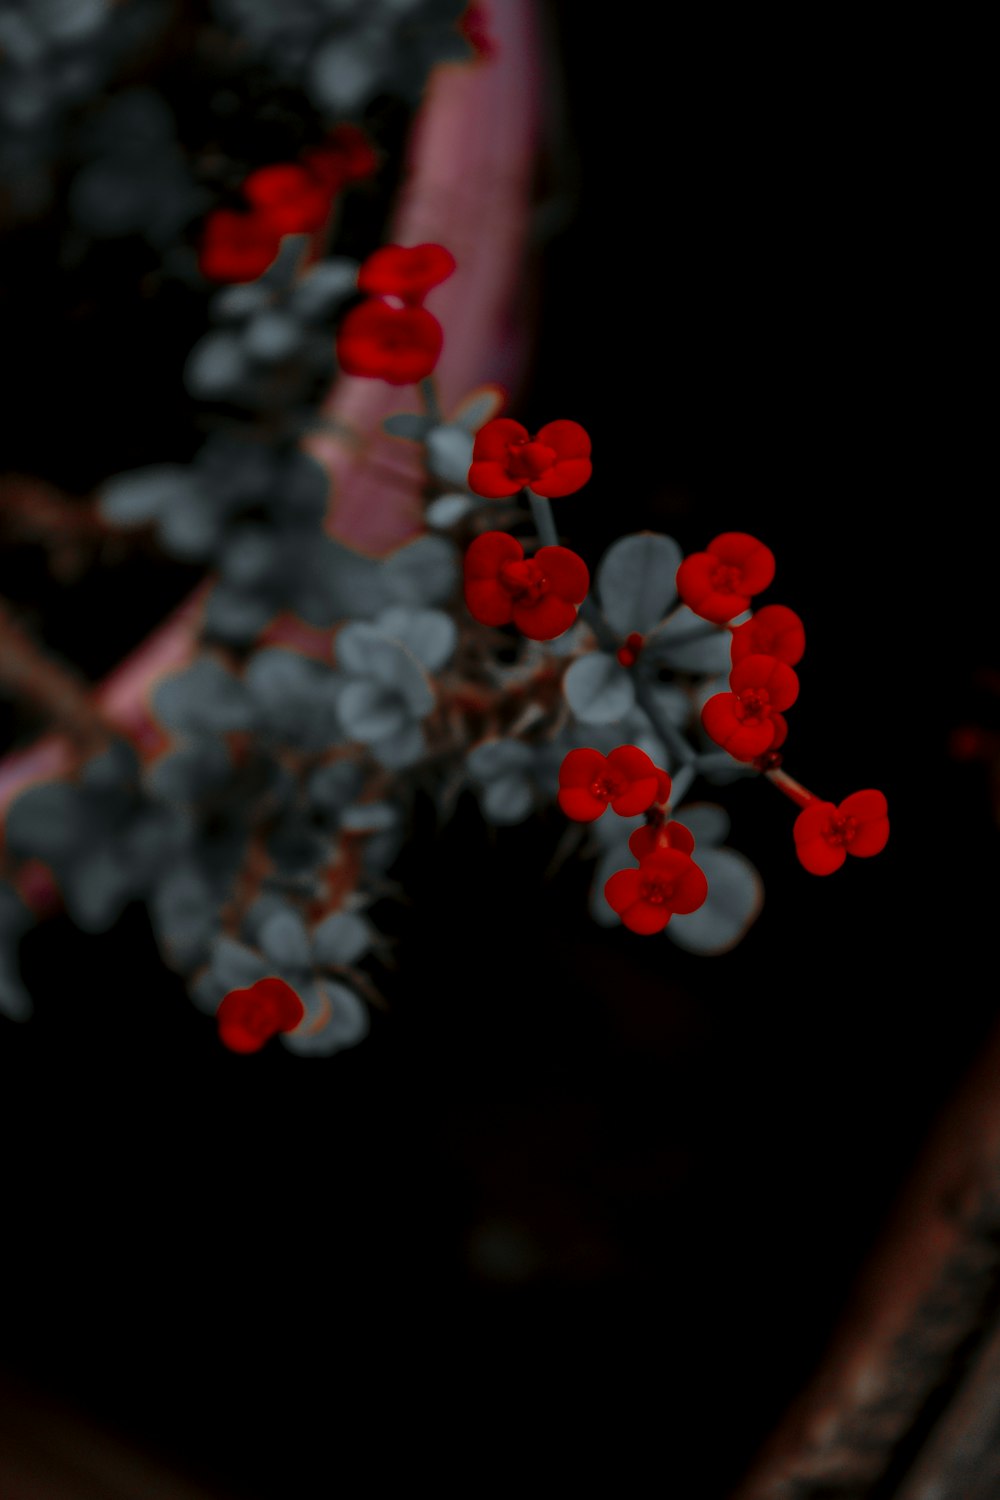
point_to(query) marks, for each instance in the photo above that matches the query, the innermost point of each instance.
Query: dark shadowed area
(578, 1185)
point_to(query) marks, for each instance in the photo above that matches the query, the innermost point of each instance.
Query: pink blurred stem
(469, 187)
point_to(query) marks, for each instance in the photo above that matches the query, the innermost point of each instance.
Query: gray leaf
(190, 772)
(424, 571)
(234, 965)
(321, 291)
(335, 1018)
(216, 366)
(96, 889)
(707, 822)
(369, 711)
(236, 616)
(397, 751)
(507, 799)
(271, 336)
(333, 787)
(285, 941)
(491, 758)
(687, 643)
(735, 898)
(138, 497)
(204, 698)
(183, 914)
(429, 633)
(636, 581)
(449, 453)
(342, 939)
(448, 510)
(597, 689)
(50, 822)
(408, 424)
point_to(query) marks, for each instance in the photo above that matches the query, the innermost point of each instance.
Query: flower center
(526, 460)
(841, 829)
(754, 702)
(656, 890)
(727, 579)
(606, 786)
(524, 581)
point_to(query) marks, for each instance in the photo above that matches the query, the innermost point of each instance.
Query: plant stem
(793, 789)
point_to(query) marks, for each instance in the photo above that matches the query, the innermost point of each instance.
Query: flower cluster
(284, 198)
(825, 834)
(391, 336)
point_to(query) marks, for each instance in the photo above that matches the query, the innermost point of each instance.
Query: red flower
(346, 156)
(556, 461)
(651, 840)
(409, 273)
(626, 778)
(667, 883)
(539, 594)
(748, 720)
(289, 198)
(774, 630)
(397, 344)
(237, 246)
(718, 584)
(825, 834)
(249, 1018)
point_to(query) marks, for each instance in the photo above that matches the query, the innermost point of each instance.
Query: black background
(578, 1184)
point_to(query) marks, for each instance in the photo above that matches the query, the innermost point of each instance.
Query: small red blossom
(628, 654)
(775, 631)
(555, 462)
(826, 834)
(237, 246)
(749, 720)
(626, 778)
(666, 884)
(539, 594)
(475, 28)
(652, 839)
(347, 155)
(249, 1018)
(406, 272)
(718, 584)
(398, 344)
(289, 198)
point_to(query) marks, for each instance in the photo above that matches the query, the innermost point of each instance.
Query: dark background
(578, 1184)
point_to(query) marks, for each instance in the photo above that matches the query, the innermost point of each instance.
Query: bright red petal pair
(626, 778)
(718, 584)
(774, 631)
(400, 345)
(505, 458)
(825, 834)
(249, 1018)
(406, 272)
(539, 595)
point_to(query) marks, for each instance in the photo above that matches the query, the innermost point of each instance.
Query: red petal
(644, 842)
(680, 837)
(636, 798)
(645, 918)
(820, 857)
(493, 440)
(569, 439)
(622, 890)
(871, 838)
(632, 761)
(489, 478)
(866, 805)
(780, 726)
(774, 630)
(581, 767)
(692, 890)
(566, 572)
(777, 677)
(544, 621)
(663, 786)
(563, 478)
(740, 550)
(580, 804)
(288, 1008)
(487, 602)
(405, 271)
(813, 821)
(485, 556)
